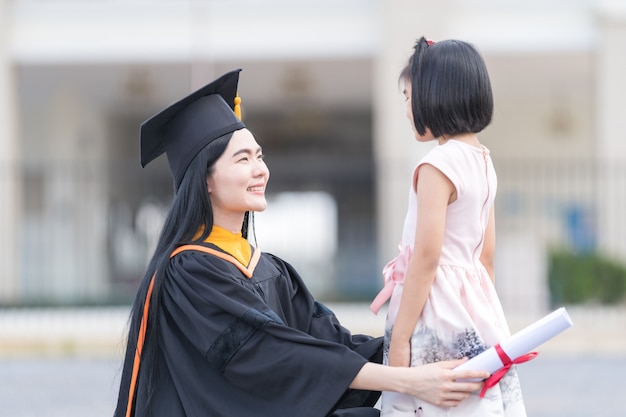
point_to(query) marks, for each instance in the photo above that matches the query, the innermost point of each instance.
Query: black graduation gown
(260, 346)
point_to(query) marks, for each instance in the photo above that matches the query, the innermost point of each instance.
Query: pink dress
(462, 315)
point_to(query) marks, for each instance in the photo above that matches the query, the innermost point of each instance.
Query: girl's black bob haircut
(451, 92)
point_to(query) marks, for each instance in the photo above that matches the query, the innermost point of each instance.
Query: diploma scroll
(521, 342)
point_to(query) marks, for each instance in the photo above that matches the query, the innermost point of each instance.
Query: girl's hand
(399, 353)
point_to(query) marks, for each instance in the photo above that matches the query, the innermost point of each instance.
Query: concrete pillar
(396, 151)
(9, 167)
(75, 201)
(611, 139)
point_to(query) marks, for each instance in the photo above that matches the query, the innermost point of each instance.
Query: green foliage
(585, 278)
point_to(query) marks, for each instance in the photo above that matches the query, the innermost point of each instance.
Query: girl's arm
(435, 382)
(487, 256)
(434, 193)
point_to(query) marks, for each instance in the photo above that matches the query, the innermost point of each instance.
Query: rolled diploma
(521, 342)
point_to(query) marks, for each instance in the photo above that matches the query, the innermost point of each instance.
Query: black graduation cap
(185, 127)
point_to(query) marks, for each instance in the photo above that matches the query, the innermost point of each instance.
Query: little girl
(443, 300)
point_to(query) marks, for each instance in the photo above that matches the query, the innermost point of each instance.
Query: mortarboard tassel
(237, 108)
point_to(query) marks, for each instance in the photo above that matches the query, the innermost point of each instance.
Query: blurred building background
(79, 217)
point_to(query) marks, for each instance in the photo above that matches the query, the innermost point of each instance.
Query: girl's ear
(208, 185)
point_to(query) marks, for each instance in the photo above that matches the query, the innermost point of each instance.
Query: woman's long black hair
(191, 211)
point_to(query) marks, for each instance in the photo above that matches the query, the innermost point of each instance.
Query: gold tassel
(237, 108)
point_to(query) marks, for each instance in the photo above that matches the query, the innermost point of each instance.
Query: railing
(86, 230)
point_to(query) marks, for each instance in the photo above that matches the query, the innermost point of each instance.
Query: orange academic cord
(146, 306)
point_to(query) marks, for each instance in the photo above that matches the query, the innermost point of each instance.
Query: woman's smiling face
(237, 181)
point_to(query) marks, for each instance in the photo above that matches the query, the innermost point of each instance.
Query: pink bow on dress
(393, 273)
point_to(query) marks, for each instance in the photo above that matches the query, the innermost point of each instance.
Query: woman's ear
(208, 185)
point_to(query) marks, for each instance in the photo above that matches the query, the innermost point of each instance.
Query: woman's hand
(436, 383)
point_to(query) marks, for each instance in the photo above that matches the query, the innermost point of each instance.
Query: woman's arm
(434, 383)
(434, 192)
(487, 256)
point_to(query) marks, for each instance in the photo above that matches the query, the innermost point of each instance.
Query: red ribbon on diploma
(508, 363)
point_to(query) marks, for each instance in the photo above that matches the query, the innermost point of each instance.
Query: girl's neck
(468, 138)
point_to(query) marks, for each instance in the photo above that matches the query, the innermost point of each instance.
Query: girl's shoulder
(453, 151)
(451, 159)
(440, 154)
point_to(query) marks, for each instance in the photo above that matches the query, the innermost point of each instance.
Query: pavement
(66, 362)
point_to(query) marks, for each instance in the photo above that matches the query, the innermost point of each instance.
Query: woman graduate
(219, 328)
